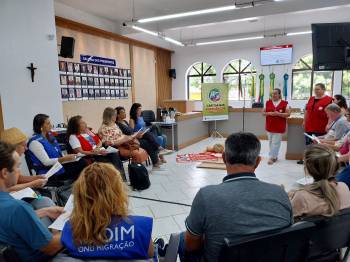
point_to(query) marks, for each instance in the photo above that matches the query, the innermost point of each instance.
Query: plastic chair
(172, 250)
(286, 245)
(8, 254)
(148, 117)
(331, 235)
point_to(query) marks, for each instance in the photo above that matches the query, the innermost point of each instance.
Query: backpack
(138, 176)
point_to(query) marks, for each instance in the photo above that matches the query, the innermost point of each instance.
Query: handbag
(138, 176)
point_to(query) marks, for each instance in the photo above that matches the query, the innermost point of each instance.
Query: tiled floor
(179, 182)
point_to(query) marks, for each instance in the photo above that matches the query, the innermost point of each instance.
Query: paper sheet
(313, 137)
(111, 150)
(53, 170)
(74, 160)
(24, 193)
(58, 224)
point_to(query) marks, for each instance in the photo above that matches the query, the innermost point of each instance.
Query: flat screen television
(331, 46)
(276, 55)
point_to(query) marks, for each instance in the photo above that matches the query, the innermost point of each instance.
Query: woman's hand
(38, 183)
(69, 157)
(53, 212)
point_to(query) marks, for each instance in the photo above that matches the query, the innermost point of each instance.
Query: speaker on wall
(67, 47)
(172, 73)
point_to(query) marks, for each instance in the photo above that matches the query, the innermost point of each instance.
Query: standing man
(276, 112)
(315, 118)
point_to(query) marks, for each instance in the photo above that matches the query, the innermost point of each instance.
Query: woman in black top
(147, 140)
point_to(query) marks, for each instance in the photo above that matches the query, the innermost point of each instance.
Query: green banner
(215, 101)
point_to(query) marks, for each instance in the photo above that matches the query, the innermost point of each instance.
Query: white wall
(24, 27)
(220, 55)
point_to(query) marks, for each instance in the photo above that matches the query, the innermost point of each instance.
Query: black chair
(148, 117)
(331, 235)
(286, 245)
(8, 254)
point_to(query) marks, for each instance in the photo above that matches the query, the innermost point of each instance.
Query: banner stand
(215, 133)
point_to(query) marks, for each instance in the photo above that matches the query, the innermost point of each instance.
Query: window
(304, 78)
(199, 73)
(239, 75)
(345, 84)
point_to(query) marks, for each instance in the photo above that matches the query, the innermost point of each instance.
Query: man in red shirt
(276, 112)
(315, 118)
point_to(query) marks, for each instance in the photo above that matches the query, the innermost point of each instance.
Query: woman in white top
(84, 141)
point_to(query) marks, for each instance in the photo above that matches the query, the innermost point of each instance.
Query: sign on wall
(215, 101)
(97, 60)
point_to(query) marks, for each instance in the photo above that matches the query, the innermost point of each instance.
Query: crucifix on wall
(32, 70)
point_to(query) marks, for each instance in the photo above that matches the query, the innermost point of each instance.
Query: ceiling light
(173, 41)
(299, 33)
(185, 14)
(144, 30)
(230, 40)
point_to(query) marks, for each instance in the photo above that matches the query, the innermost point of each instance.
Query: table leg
(172, 138)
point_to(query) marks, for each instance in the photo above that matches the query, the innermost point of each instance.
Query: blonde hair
(108, 113)
(321, 163)
(99, 195)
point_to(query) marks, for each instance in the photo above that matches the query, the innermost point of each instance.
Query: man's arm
(193, 242)
(54, 246)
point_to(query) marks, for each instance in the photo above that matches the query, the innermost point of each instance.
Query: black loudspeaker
(67, 47)
(172, 73)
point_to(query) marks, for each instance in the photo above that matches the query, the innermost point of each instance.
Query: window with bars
(199, 73)
(239, 74)
(304, 78)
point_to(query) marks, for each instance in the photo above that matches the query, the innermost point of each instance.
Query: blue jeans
(344, 176)
(162, 140)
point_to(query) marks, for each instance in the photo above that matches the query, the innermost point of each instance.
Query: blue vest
(140, 123)
(53, 150)
(128, 239)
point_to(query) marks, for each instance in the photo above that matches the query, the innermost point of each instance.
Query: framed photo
(112, 93)
(71, 93)
(111, 82)
(83, 69)
(103, 93)
(97, 93)
(121, 93)
(95, 69)
(70, 80)
(121, 82)
(125, 72)
(63, 80)
(106, 81)
(85, 94)
(126, 95)
(102, 81)
(77, 80)
(108, 93)
(101, 70)
(129, 73)
(89, 69)
(62, 65)
(115, 71)
(90, 81)
(70, 67)
(64, 94)
(111, 70)
(117, 93)
(84, 81)
(76, 67)
(91, 94)
(96, 81)
(106, 70)
(78, 93)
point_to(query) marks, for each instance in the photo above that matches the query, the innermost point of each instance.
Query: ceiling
(271, 17)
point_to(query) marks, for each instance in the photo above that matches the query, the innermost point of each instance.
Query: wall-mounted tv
(331, 46)
(276, 55)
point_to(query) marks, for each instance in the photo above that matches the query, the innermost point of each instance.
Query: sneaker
(165, 152)
(271, 161)
(160, 242)
(300, 162)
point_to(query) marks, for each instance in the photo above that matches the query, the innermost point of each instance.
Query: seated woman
(146, 139)
(111, 135)
(137, 123)
(100, 226)
(341, 102)
(44, 152)
(84, 141)
(325, 196)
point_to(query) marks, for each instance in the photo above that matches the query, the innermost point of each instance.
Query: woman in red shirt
(276, 112)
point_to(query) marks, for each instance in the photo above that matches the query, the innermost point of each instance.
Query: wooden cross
(32, 70)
